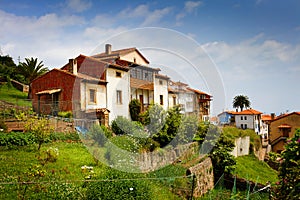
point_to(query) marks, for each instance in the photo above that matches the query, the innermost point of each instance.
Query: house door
(55, 104)
(142, 102)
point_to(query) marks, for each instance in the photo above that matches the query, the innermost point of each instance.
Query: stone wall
(204, 177)
(151, 161)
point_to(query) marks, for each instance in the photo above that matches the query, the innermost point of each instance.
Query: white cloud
(191, 6)
(143, 12)
(156, 16)
(78, 5)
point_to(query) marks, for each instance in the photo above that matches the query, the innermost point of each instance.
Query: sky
(225, 48)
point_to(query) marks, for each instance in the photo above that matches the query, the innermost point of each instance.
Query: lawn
(14, 96)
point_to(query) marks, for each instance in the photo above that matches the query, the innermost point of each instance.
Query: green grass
(233, 133)
(250, 168)
(14, 96)
(16, 164)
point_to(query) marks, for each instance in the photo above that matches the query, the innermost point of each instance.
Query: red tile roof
(249, 112)
(266, 117)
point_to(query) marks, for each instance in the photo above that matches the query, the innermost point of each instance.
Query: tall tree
(241, 101)
(31, 69)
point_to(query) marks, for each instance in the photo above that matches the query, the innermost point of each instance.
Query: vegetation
(232, 133)
(31, 69)
(250, 168)
(14, 96)
(288, 186)
(40, 128)
(135, 109)
(241, 101)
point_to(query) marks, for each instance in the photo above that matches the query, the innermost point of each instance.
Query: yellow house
(281, 128)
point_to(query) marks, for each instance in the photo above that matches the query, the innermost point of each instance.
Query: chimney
(108, 49)
(272, 116)
(73, 66)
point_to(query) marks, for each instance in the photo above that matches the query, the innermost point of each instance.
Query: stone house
(100, 87)
(281, 128)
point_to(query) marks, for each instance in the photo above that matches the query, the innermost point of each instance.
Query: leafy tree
(218, 148)
(7, 68)
(40, 128)
(31, 69)
(135, 109)
(241, 101)
(289, 170)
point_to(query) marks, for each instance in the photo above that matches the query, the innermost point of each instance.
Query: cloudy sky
(245, 47)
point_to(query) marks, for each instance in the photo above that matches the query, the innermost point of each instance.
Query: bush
(135, 109)
(123, 126)
(16, 139)
(97, 134)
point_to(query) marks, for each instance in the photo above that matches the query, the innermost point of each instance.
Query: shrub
(134, 109)
(123, 126)
(97, 134)
(16, 139)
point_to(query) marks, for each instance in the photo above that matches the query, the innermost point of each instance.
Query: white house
(248, 119)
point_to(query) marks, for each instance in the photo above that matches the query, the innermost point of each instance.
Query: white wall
(134, 56)
(117, 83)
(85, 95)
(249, 121)
(161, 90)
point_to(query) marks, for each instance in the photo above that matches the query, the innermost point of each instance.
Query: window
(241, 117)
(161, 99)
(160, 82)
(92, 96)
(174, 100)
(245, 126)
(242, 126)
(118, 74)
(139, 74)
(133, 73)
(245, 118)
(119, 97)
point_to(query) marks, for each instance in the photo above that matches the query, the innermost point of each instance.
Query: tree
(40, 128)
(31, 69)
(288, 186)
(241, 101)
(7, 67)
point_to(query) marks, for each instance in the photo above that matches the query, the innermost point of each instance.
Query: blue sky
(253, 44)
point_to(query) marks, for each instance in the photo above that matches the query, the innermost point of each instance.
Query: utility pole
(19, 60)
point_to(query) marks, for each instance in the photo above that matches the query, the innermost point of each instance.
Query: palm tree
(31, 69)
(241, 101)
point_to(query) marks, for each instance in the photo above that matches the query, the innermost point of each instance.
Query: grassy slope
(15, 163)
(12, 95)
(250, 168)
